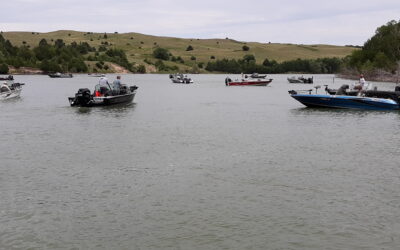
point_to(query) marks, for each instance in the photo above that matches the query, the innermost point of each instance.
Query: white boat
(10, 90)
(180, 78)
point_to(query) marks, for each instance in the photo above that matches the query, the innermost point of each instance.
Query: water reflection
(12, 100)
(117, 110)
(306, 111)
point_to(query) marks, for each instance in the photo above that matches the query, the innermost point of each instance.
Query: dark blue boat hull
(346, 102)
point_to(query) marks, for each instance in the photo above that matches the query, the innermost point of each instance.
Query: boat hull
(10, 94)
(346, 102)
(250, 83)
(102, 100)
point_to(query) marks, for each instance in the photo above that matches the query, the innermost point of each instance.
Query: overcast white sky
(339, 22)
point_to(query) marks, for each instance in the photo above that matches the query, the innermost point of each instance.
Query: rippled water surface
(199, 166)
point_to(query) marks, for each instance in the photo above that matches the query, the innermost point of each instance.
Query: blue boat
(367, 100)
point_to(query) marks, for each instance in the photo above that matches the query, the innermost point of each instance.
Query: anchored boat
(368, 99)
(247, 82)
(180, 78)
(60, 75)
(10, 90)
(103, 96)
(301, 79)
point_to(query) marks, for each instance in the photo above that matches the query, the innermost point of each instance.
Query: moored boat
(10, 90)
(301, 79)
(180, 78)
(96, 75)
(60, 75)
(103, 96)
(7, 78)
(256, 76)
(247, 82)
(368, 99)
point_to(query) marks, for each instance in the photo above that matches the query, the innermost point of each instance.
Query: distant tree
(99, 65)
(43, 42)
(161, 53)
(3, 68)
(245, 48)
(141, 69)
(212, 57)
(193, 58)
(189, 48)
(248, 58)
(59, 43)
(105, 36)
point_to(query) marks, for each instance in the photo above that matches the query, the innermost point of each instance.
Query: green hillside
(139, 47)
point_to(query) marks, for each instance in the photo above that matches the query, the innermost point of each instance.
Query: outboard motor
(342, 89)
(227, 81)
(133, 88)
(83, 96)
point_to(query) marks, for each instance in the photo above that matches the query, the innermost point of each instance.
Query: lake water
(200, 166)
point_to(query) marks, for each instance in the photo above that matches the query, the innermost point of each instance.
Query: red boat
(247, 82)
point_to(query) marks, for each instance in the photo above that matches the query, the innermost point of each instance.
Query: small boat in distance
(256, 76)
(10, 90)
(247, 82)
(300, 79)
(103, 96)
(180, 78)
(96, 75)
(7, 78)
(365, 99)
(60, 75)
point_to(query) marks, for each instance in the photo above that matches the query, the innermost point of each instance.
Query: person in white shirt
(362, 81)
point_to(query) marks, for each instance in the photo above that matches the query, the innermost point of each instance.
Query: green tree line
(381, 51)
(58, 56)
(248, 65)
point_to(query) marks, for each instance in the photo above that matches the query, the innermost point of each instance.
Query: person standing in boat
(117, 85)
(361, 83)
(104, 85)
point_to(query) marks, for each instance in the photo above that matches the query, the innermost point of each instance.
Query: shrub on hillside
(161, 53)
(3, 68)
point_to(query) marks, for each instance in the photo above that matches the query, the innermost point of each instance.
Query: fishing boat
(256, 76)
(365, 99)
(247, 82)
(180, 78)
(10, 90)
(301, 79)
(60, 75)
(103, 96)
(7, 78)
(96, 75)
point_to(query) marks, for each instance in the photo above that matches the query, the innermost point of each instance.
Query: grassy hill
(139, 47)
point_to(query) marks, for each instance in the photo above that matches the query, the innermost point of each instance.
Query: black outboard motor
(227, 81)
(83, 97)
(133, 88)
(342, 89)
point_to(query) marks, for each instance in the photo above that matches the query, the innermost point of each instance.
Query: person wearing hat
(361, 83)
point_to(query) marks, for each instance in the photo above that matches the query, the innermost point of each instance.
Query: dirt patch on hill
(118, 69)
(24, 71)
